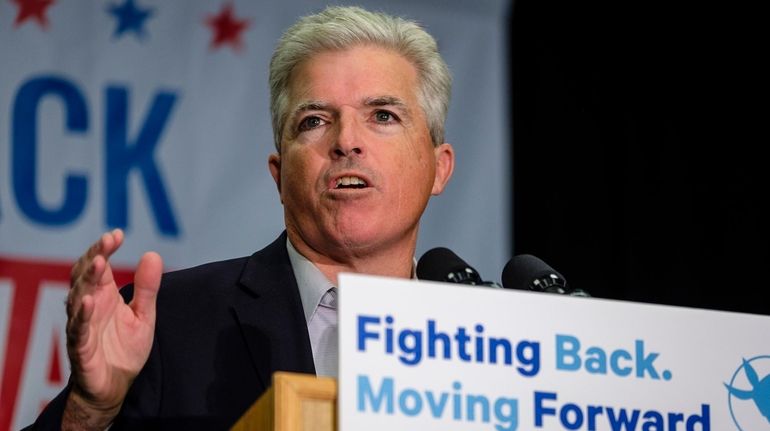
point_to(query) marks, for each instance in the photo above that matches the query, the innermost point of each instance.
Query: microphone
(442, 264)
(527, 272)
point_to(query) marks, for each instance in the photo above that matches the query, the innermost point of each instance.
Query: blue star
(130, 18)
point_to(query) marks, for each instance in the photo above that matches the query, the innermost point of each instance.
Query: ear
(274, 164)
(445, 165)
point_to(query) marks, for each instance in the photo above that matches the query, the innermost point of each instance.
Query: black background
(634, 172)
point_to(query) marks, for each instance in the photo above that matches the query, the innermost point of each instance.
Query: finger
(146, 285)
(94, 280)
(95, 269)
(105, 246)
(84, 285)
(78, 327)
(84, 261)
(96, 272)
(111, 242)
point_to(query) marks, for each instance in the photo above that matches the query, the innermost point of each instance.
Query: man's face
(357, 165)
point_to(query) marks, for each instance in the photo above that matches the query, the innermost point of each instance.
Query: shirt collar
(312, 283)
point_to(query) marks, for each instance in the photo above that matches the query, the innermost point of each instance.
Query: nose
(348, 142)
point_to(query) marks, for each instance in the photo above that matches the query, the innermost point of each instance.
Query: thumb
(146, 285)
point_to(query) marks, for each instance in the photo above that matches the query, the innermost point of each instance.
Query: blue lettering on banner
(573, 417)
(24, 150)
(410, 402)
(123, 154)
(595, 360)
(468, 346)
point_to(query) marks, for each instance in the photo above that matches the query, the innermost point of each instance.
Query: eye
(385, 117)
(309, 123)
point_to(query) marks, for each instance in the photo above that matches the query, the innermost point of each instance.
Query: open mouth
(350, 182)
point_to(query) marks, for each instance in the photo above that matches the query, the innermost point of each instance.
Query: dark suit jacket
(222, 329)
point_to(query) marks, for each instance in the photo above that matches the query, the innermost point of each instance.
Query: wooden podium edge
(295, 402)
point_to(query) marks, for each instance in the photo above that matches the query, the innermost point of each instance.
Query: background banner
(152, 116)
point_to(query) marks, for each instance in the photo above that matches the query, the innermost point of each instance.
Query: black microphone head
(527, 272)
(442, 264)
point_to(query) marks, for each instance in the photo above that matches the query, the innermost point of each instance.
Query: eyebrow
(310, 105)
(379, 101)
(389, 101)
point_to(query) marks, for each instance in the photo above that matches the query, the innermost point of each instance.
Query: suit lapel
(268, 310)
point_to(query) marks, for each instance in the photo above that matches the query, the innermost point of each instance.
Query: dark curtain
(632, 172)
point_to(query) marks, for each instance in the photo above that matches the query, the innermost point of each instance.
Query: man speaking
(358, 104)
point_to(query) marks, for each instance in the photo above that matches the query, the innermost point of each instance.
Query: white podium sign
(433, 356)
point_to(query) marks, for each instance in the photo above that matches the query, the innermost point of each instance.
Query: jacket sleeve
(50, 418)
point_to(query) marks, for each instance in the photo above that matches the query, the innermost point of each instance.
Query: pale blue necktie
(326, 356)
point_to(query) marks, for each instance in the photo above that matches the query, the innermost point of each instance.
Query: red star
(32, 9)
(227, 28)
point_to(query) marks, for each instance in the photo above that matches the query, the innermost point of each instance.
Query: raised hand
(108, 341)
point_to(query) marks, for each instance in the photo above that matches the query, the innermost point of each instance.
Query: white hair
(338, 28)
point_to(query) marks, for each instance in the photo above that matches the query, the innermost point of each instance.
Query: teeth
(350, 181)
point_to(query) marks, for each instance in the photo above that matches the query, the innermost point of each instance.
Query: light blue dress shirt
(319, 302)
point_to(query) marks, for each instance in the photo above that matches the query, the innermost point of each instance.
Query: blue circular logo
(748, 394)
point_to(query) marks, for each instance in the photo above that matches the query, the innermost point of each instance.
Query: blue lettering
(593, 412)
(410, 343)
(577, 416)
(481, 401)
(704, 420)
(573, 416)
(615, 358)
(621, 420)
(621, 362)
(540, 409)
(24, 149)
(596, 361)
(457, 398)
(123, 155)
(436, 406)
(507, 412)
(363, 334)
(433, 337)
(528, 354)
(462, 341)
(380, 399)
(479, 343)
(416, 404)
(644, 363)
(673, 419)
(495, 344)
(567, 348)
(384, 394)
(653, 421)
